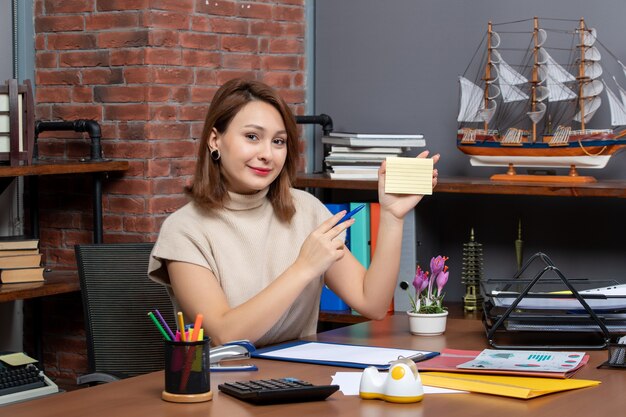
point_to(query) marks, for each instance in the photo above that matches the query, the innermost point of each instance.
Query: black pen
(351, 213)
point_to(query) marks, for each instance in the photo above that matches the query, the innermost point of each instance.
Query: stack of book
(20, 260)
(359, 155)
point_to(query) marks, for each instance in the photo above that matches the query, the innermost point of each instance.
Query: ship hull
(589, 154)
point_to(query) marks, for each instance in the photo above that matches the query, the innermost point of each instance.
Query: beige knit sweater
(246, 247)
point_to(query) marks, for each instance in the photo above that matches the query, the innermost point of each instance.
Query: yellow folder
(508, 386)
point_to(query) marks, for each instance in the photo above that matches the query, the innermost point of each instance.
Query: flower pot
(427, 324)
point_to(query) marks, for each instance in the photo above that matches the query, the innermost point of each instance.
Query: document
(336, 354)
(450, 360)
(525, 360)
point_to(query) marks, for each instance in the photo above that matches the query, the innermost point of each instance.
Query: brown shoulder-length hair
(208, 188)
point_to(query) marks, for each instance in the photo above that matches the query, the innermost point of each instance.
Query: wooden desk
(141, 395)
(605, 188)
(59, 167)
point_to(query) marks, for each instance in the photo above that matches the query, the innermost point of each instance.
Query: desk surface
(141, 395)
(604, 188)
(57, 282)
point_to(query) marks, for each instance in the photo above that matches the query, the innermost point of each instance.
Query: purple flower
(437, 264)
(421, 280)
(442, 279)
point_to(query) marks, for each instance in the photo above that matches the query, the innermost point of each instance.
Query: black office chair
(117, 295)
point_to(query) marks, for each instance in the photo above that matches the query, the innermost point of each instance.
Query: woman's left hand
(400, 204)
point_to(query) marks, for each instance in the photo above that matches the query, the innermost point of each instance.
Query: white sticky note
(409, 176)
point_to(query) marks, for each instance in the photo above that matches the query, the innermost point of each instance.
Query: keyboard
(23, 382)
(275, 391)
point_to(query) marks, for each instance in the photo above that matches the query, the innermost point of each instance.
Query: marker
(158, 325)
(165, 326)
(196, 328)
(181, 325)
(350, 214)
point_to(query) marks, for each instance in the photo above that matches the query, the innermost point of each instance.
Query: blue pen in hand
(350, 214)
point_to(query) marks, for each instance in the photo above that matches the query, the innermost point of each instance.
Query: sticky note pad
(17, 359)
(409, 176)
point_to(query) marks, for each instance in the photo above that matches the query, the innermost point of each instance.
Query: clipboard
(339, 354)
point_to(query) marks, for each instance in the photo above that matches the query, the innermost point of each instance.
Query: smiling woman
(249, 252)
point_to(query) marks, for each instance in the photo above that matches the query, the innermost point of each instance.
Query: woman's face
(253, 148)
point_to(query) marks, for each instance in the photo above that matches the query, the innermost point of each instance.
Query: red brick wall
(146, 70)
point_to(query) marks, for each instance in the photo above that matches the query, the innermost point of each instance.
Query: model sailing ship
(538, 113)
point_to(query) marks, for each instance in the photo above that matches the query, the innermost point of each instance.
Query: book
(17, 275)
(20, 261)
(353, 176)
(374, 226)
(354, 172)
(375, 141)
(361, 149)
(375, 135)
(13, 252)
(17, 242)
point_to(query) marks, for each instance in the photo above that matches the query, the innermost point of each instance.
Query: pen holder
(187, 371)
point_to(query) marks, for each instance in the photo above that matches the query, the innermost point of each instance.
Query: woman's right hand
(323, 247)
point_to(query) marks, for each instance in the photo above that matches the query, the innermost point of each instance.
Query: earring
(215, 154)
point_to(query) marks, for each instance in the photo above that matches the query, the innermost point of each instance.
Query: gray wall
(392, 66)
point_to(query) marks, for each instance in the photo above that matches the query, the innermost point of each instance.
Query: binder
(329, 301)
(360, 234)
(339, 354)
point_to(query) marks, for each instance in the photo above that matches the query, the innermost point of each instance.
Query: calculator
(275, 391)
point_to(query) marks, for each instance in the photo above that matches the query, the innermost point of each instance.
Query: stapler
(235, 350)
(402, 384)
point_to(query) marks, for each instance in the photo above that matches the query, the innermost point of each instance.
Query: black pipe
(82, 125)
(323, 120)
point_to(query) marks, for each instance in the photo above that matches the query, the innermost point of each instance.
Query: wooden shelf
(57, 282)
(604, 188)
(58, 167)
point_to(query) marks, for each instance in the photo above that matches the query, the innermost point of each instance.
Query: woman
(249, 252)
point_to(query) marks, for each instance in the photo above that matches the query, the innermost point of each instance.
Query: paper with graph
(409, 176)
(525, 360)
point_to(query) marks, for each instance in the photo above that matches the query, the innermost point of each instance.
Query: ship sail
(508, 80)
(472, 103)
(554, 77)
(591, 89)
(618, 110)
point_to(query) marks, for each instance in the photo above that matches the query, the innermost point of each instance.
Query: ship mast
(535, 79)
(581, 74)
(487, 72)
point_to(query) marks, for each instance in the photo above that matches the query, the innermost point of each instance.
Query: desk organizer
(617, 356)
(552, 310)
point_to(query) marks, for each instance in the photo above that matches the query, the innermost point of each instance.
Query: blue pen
(351, 213)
